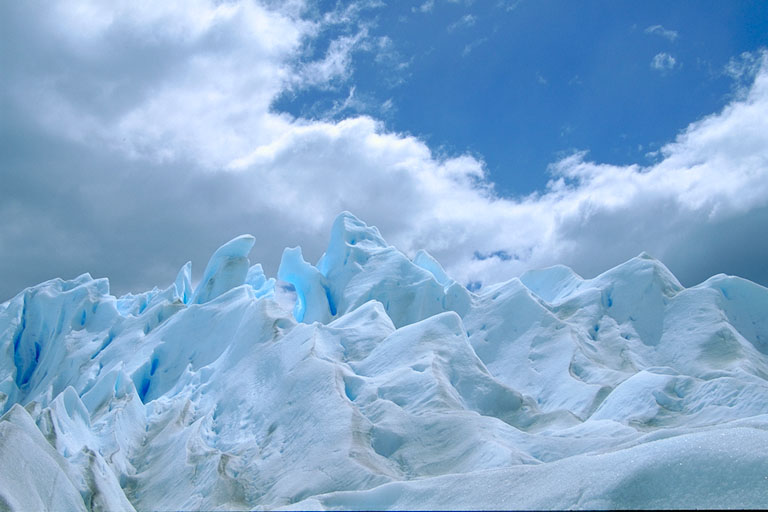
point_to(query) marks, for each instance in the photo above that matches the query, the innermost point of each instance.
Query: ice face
(183, 284)
(314, 302)
(359, 266)
(227, 268)
(262, 286)
(388, 386)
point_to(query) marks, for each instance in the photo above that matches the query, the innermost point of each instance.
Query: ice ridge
(388, 386)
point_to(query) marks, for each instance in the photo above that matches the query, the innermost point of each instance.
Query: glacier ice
(227, 268)
(388, 386)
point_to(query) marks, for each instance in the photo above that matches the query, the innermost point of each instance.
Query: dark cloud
(70, 209)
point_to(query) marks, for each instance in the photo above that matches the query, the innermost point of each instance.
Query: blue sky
(499, 136)
(522, 84)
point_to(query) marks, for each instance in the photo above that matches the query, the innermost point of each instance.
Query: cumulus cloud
(663, 62)
(127, 151)
(660, 31)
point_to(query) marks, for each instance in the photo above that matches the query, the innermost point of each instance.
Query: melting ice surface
(388, 386)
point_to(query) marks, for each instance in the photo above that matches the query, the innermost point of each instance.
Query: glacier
(387, 385)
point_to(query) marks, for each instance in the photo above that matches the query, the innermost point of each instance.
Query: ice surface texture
(389, 385)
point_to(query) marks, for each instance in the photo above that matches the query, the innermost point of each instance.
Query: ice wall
(389, 385)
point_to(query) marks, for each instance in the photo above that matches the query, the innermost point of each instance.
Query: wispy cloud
(742, 69)
(335, 65)
(509, 5)
(469, 48)
(663, 62)
(467, 20)
(575, 80)
(387, 56)
(427, 6)
(660, 31)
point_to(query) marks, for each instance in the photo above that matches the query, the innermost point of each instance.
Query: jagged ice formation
(389, 385)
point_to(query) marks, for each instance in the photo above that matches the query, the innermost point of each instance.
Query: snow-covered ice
(388, 386)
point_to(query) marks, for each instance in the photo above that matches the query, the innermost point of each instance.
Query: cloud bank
(137, 136)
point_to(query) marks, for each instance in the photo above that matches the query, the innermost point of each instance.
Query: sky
(500, 136)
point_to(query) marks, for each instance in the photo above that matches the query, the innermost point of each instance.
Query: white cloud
(742, 69)
(663, 62)
(191, 154)
(465, 21)
(429, 5)
(335, 65)
(662, 32)
(509, 5)
(469, 48)
(425, 7)
(195, 81)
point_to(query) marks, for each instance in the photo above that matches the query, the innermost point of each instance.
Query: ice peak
(353, 231)
(262, 287)
(313, 298)
(349, 232)
(551, 283)
(226, 269)
(183, 283)
(426, 261)
(238, 247)
(640, 269)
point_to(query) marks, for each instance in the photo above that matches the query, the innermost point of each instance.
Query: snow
(387, 386)
(719, 469)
